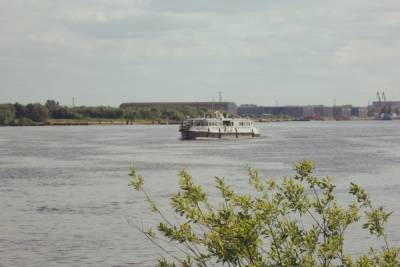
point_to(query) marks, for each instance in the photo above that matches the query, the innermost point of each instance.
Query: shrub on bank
(7, 114)
(270, 227)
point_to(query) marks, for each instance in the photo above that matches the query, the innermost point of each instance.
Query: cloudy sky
(104, 52)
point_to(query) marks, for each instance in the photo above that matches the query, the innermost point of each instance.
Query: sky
(265, 52)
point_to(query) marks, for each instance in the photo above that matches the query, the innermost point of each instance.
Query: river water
(64, 198)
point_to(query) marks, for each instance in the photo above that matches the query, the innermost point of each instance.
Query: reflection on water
(65, 202)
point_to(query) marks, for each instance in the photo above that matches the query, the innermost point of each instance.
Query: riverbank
(68, 122)
(74, 122)
(64, 122)
(297, 120)
(87, 122)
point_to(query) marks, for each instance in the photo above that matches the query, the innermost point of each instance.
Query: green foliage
(295, 222)
(7, 114)
(17, 114)
(56, 111)
(98, 112)
(157, 113)
(37, 112)
(51, 104)
(24, 122)
(33, 114)
(64, 113)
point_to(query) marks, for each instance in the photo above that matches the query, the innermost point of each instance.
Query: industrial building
(360, 112)
(342, 112)
(382, 105)
(297, 112)
(304, 112)
(227, 107)
(323, 112)
(378, 107)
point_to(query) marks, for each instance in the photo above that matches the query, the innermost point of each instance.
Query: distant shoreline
(89, 122)
(109, 122)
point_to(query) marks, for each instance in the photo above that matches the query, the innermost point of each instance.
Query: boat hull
(192, 135)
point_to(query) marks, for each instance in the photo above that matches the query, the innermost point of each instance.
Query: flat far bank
(268, 120)
(87, 122)
(66, 122)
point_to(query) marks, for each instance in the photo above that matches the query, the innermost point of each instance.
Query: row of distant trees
(34, 114)
(17, 114)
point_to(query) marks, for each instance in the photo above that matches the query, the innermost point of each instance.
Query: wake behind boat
(217, 127)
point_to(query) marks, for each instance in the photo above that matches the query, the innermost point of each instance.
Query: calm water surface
(64, 197)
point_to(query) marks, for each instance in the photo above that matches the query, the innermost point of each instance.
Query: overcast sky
(104, 52)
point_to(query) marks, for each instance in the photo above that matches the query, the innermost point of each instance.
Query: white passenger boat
(218, 127)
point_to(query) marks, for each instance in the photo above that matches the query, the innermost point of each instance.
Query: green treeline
(159, 113)
(39, 114)
(17, 114)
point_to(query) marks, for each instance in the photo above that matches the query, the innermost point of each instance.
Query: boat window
(245, 123)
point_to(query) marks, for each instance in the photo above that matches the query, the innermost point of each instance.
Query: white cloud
(275, 48)
(103, 11)
(366, 53)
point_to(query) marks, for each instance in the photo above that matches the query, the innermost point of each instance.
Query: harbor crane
(378, 96)
(386, 109)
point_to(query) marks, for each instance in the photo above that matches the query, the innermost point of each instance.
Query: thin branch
(155, 243)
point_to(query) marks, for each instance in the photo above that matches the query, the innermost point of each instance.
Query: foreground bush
(296, 222)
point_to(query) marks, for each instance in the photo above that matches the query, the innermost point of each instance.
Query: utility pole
(334, 108)
(220, 96)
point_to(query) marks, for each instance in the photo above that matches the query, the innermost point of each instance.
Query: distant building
(342, 112)
(306, 112)
(294, 111)
(228, 107)
(360, 112)
(377, 107)
(323, 112)
(253, 111)
(297, 112)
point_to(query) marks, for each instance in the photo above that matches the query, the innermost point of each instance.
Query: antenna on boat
(220, 96)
